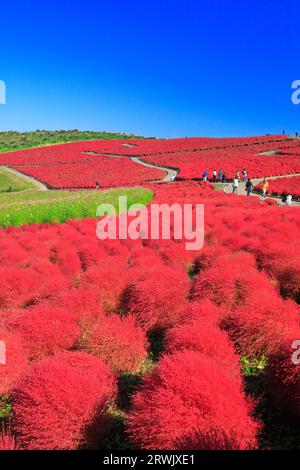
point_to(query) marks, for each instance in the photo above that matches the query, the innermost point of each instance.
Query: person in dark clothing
(249, 186)
(97, 185)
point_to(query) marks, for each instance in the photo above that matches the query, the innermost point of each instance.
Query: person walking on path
(235, 185)
(205, 176)
(265, 187)
(249, 186)
(244, 173)
(220, 176)
(214, 176)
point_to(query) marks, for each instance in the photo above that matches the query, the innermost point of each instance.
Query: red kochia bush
(119, 342)
(284, 373)
(204, 311)
(156, 297)
(7, 440)
(108, 279)
(59, 402)
(230, 281)
(82, 303)
(258, 327)
(19, 287)
(206, 339)
(45, 330)
(144, 257)
(90, 254)
(184, 405)
(65, 256)
(16, 360)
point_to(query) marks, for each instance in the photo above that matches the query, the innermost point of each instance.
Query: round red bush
(65, 256)
(156, 297)
(184, 405)
(119, 342)
(82, 302)
(45, 330)
(205, 339)
(204, 311)
(16, 360)
(258, 327)
(108, 280)
(60, 402)
(19, 287)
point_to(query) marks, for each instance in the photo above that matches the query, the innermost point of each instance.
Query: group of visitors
(219, 176)
(248, 184)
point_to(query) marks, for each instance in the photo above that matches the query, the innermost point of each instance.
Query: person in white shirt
(289, 200)
(235, 185)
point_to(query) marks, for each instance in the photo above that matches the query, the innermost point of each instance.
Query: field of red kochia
(82, 164)
(76, 313)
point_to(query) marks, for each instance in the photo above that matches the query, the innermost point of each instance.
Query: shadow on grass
(280, 430)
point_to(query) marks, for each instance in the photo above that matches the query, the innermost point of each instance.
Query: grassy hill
(20, 140)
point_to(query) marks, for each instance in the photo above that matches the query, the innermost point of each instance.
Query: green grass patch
(10, 182)
(23, 140)
(59, 206)
(5, 407)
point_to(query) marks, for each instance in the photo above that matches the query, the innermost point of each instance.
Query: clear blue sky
(165, 68)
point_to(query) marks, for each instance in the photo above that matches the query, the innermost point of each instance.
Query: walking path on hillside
(255, 182)
(21, 175)
(171, 172)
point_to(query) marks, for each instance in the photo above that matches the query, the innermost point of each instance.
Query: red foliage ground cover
(82, 164)
(192, 165)
(108, 295)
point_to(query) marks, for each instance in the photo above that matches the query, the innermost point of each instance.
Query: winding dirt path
(41, 186)
(242, 192)
(171, 172)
